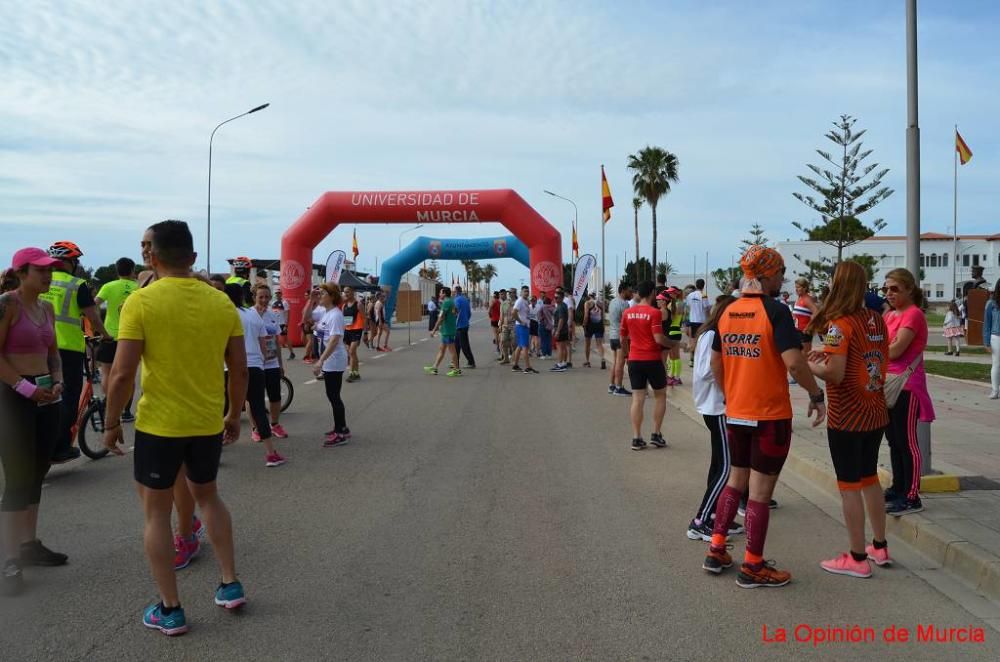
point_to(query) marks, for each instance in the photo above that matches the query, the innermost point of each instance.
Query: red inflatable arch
(428, 207)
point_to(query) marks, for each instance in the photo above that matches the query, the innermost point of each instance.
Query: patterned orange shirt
(857, 404)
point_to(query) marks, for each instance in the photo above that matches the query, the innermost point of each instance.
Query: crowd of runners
(203, 348)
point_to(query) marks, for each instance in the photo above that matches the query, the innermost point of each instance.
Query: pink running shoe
(879, 556)
(278, 431)
(254, 435)
(274, 459)
(846, 565)
(196, 528)
(185, 551)
(334, 439)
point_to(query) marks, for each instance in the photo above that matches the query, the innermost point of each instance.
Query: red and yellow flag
(576, 245)
(964, 153)
(606, 202)
(354, 244)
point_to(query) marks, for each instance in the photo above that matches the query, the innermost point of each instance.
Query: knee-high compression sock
(725, 513)
(677, 367)
(758, 514)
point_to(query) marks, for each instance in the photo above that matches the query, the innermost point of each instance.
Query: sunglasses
(895, 289)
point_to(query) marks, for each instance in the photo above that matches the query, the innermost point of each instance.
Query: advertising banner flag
(581, 275)
(334, 267)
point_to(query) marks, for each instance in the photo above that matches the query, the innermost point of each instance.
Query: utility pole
(912, 146)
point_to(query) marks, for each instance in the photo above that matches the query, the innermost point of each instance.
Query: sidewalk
(959, 531)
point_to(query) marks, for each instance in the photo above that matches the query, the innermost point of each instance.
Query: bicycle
(90, 412)
(287, 392)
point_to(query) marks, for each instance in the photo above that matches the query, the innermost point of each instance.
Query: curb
(969, 562)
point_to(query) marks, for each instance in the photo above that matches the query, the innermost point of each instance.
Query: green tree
(105, 274)
(665, 269)
(820, 272)
(637, 271)
(843, 192)
(756, 238)
(654, 169)
(636, 204)
(430, 273)
(728, 279)
(489, 273)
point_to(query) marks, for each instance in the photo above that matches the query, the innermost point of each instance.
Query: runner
(853, 365)
(755, 345)
(354, 324)
(114, 294)
(307, 324)
(545, 326)
(447, 325)
(534, 305)
(803, 310)
(991, 338)
(332, 364)
(31, 373)
(464, 312)
(274, 365)
(318, 311)
(495, 321)
(560, 317)
(72, 300)
(254, 334)
(506, 328)
(280, 311)
(617, 308)
(907, 340)
(643, 342)
(382, 324)
(522, 330)
(593, 316)
(698, 307)
(180, 330)
(711, 404)
(675, 335)
(371, 326)
(432, 313)
(241, 277)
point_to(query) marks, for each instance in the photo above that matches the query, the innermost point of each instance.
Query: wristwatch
(817, 399)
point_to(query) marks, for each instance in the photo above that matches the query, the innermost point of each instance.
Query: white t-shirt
(696, 308)
(523, 310)
(272, 324)
(280, 311)
(708, 398)
(333, 325)
(317, 316)
(253, 331)
(431, 305)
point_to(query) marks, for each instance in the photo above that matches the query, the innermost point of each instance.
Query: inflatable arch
(427, 248)
(467, 206)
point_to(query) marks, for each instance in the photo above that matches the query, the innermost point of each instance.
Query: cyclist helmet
(242, 263)
(65, 250)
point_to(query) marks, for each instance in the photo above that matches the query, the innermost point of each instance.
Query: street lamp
(399, 246)
(575, 217)
(208, 239)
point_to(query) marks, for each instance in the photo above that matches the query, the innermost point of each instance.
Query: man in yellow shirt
(182, 330)
(114, 294)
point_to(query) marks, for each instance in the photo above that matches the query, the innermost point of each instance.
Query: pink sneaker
(278, 431)
(185, 551)
(846, 565)
(879, 556)
(197, 529)
(334, 439)
(274, 459)
(254, 435)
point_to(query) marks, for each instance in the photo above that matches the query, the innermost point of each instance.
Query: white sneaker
(995, 395)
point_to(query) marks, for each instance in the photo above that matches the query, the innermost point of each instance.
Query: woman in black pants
(333, 362)
(31, 373)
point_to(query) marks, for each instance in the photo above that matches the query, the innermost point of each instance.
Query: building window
(922, 260)
(965, 260)
(939, 290)
(934, 259)
(944, 260)
(975, 260)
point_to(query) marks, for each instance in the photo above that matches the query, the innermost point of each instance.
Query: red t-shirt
(639, 323)
(495, 310)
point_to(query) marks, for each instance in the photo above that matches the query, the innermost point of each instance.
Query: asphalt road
(493, 516)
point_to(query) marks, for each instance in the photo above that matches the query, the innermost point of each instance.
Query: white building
(942, 278)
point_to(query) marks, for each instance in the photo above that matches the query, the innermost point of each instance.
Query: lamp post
(208, 239)
(575, 220)
(399, 246)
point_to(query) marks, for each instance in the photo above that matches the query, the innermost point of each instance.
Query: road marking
(311, 381)
(378, 357)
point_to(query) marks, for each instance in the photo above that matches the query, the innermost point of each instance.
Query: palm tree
(489, 273)
(430, 273)
(653, 170)
(636, 203)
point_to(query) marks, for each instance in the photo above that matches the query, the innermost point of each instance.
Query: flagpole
(603, 223)
(954, 264)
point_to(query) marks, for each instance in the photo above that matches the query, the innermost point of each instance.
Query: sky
(106, 111)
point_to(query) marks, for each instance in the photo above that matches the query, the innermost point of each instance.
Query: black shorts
(563, 336)
(694, 326)
(763, 448)
(616, 344)
(106, 351)
(28, 438)
(272, 384)
(495, 324)
(533, 328)
(352, 336)
(641, 373)
(855, 457)
(158, 459)
(594, 330)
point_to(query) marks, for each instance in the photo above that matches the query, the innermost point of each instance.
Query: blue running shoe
(230, 596)
(170, 624)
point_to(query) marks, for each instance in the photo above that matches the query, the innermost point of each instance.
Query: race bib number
(745, 422)
(271, 348)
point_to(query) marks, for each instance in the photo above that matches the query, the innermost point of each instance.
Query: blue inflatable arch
(428, 248)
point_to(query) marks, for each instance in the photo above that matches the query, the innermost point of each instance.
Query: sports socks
(725, 513)
(758, 514)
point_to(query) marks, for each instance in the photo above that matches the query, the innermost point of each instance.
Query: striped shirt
(801, 313)
(857, 404)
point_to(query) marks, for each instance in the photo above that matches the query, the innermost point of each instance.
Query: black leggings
(258, 405)
(904, 451)
(27, 439)
(72, 365)
(333, 381)
(718, 468)
(462, 345)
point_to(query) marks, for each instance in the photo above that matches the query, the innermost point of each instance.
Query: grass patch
(935, 319)
(977, 372)
(972, 351)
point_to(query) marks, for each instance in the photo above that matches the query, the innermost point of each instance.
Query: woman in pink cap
(31, 373)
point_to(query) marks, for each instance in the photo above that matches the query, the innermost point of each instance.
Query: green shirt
(115, 293)
(449, 317)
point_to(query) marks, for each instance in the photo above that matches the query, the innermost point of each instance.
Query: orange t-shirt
(753, 333)
(857, 404)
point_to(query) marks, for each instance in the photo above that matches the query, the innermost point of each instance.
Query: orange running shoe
(765, 575)
(717, 560)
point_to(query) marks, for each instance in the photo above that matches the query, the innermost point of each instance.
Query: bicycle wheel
(92, 426)
(287, 393)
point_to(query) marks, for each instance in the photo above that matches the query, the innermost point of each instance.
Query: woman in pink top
(31, 373)
(907, 340)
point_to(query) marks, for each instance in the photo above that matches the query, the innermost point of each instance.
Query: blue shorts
(523, 335)
(447, 340)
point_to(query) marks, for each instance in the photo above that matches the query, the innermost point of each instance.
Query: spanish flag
(606, 202)
(354, 244)
(964, 153)
(576, 245)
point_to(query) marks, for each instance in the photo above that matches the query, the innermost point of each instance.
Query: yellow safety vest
(69, 322)
(237, 280)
